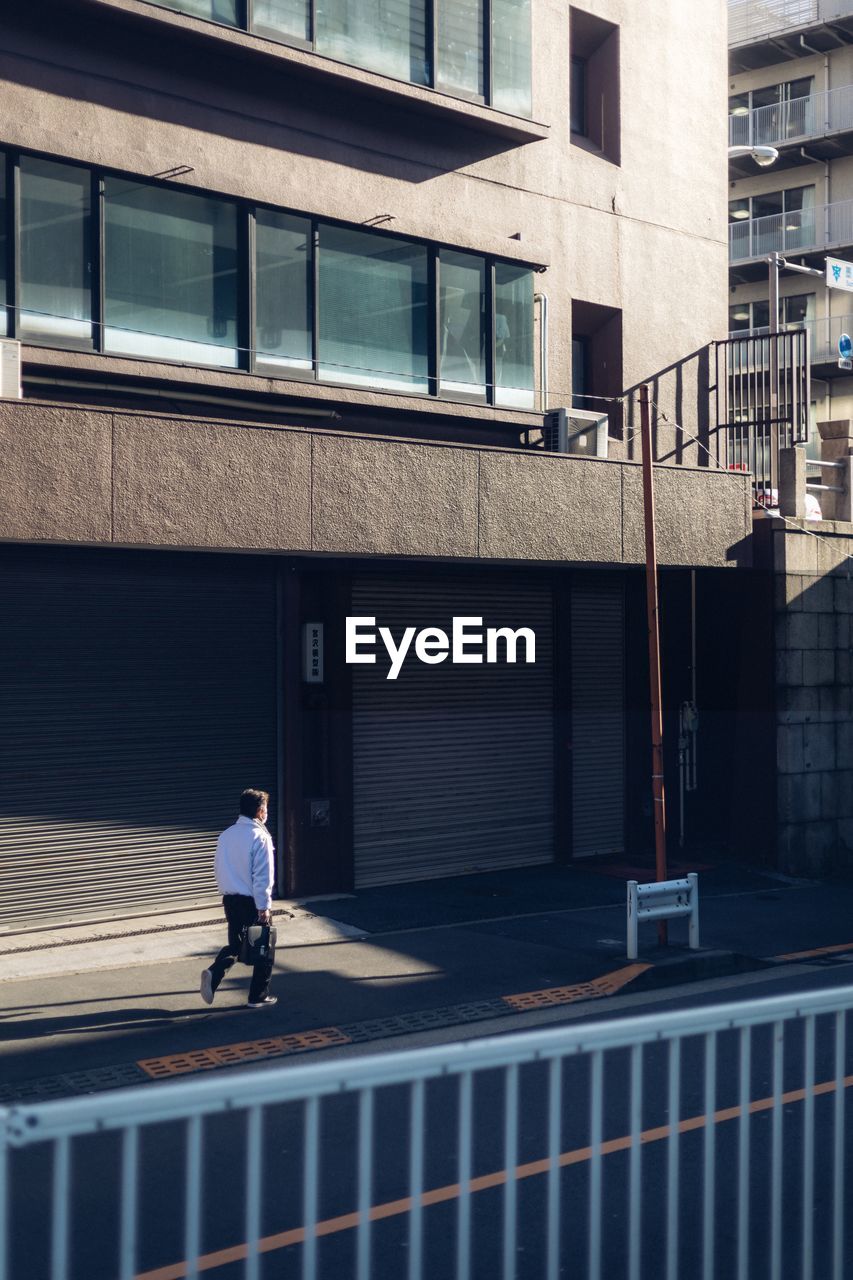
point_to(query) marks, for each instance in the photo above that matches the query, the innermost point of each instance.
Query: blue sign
(845, 346)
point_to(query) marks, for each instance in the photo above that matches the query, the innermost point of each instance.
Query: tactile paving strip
(595, 990)
(73, 1082)
(230, 1055)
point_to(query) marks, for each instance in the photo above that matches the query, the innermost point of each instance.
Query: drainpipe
(543, 350)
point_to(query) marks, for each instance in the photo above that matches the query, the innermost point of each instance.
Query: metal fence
(795, 120)
(709, 1142)
(763, 399)
(821, 227)
(754, 19)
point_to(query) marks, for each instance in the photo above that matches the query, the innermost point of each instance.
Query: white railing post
(693, 926)
(632, 919)
(4, 1193)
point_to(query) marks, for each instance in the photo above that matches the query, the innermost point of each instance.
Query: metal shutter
(598, 715)
(453, 765)
(137, 699)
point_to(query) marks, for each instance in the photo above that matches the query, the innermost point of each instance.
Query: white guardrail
(781, 123)
(652, 1148)
(663, 900)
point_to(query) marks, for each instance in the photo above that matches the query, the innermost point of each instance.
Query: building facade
(295, 288)
(791, 87)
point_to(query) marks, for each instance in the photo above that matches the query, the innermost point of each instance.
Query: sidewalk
(119, 1004)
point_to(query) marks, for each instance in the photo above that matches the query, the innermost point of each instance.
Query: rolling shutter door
(453, 765)
(598, 715)
(137, 699)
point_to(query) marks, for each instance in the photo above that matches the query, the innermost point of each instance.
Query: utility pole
(652, 612)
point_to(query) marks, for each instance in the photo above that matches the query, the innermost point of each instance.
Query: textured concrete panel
(701, 517)
(550, 508)
(55, 478)
(384, 497)
(184, 483)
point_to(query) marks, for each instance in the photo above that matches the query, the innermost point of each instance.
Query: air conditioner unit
(576, 431)
(10, 369)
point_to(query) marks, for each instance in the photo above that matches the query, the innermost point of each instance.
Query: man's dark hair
(251, 802)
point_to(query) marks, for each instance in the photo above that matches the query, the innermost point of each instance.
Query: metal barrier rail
(629, 1135)
(794, 120)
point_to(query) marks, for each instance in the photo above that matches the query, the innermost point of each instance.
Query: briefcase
(258, 943)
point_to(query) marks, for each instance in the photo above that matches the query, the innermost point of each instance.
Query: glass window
(55, 253)
(767, 205)
(511, 58)
(170, 274)
(215, 10)
(282, 18)
(739, 104)
(513, 336)
(739, 210)
(282, 291)
(577, 96)
(761, 315)
(4, 214)
(388, 36)
(739, 317)
(373, 310)
(462, 310)
(460, 47)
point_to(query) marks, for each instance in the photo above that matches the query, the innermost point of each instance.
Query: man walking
(244, 873)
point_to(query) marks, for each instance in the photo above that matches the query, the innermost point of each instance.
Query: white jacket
(244, 861)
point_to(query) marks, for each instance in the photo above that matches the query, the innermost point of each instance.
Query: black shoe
(207, 986)
(263, 1004)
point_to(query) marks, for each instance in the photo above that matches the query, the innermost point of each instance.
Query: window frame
(246, 327)
(245, 23)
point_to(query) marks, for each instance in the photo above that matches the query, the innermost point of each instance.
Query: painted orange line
(816, 951)
(486, 1182)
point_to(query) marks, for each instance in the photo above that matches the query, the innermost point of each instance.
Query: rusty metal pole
(654, 647)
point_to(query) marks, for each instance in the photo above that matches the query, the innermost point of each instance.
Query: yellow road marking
(604, 986)
(816, 951)
(487, 1182)
(227, 1055)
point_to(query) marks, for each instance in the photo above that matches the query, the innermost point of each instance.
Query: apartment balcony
(763, 32)
(823, 332)
(807, 231)
(822, 121)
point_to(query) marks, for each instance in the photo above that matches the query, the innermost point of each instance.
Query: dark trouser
(240, 912)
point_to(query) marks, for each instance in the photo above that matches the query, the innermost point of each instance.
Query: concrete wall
(124, 84)
(814, 617)
(97, 478)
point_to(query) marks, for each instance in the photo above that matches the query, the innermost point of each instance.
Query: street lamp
(763, 156)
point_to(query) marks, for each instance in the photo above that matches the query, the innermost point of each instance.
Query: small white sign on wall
(312, 652)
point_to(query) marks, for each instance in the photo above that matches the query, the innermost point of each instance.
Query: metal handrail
(147, 1105)
(819, 227)
(781, 123)
(753, 19)
(640, 1073)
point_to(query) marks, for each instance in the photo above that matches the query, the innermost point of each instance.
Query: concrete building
(791, 87)
(295, 288)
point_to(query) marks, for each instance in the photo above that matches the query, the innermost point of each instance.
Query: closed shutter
(453, 765)
(598, 715)
(137, 699)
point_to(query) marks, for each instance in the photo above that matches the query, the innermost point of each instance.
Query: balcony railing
(795, 121)
(751, 20)
(822, 227)
(823, 335)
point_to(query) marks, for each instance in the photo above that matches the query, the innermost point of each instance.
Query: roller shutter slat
(137, 698)
(453, 767)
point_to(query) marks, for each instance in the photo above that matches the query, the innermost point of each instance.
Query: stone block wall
(813, 567)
